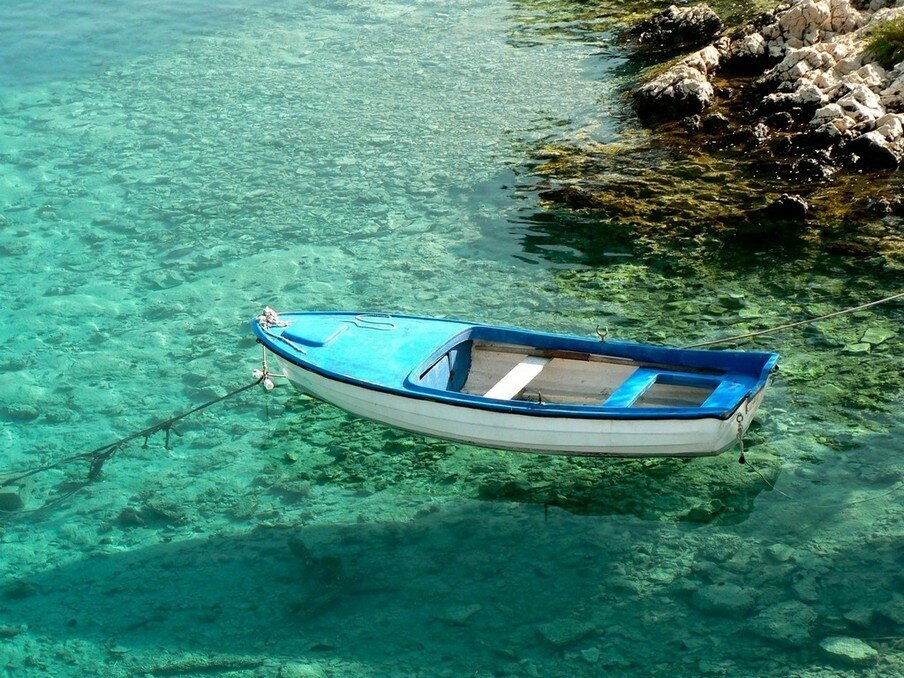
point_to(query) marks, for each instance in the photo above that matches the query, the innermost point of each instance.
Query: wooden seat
(517, 378)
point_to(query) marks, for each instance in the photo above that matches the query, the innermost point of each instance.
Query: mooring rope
(799, 323)
(743, 459)
(894, 488)
(97, 457)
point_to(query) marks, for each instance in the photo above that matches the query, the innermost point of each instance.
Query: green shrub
(887, 42)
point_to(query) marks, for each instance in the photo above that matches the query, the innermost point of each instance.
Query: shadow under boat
(461, 585)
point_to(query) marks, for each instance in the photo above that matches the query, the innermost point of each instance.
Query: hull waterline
(517, 432)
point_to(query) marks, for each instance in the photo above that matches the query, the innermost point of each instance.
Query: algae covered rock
(852, 651)
(675, 28)
(789, 623)
(725, 599)
(562, 632)
(872, 150)
(787, 208)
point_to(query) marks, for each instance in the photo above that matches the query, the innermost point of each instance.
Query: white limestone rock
(808, 94)
(847, 66)
(893, 95)
(828, 113)
(797, 62)
(682, 90)
(828, 82)
(843, 18)
(861, 103)
(749, 47)
(822, 63)
(798, 26)
(891, 126)
(844, 123)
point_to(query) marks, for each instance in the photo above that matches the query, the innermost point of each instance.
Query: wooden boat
(516, 389)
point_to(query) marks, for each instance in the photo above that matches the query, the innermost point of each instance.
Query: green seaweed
(887, 42)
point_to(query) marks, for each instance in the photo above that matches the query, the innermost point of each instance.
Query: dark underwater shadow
(564, 237)
(470, 587)
(462, 588)
(485, 585)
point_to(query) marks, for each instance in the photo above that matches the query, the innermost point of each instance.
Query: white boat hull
(541, 434)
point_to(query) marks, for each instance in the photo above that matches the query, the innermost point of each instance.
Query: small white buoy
(268, 384)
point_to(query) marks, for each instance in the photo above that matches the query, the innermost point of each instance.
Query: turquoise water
(168, 168)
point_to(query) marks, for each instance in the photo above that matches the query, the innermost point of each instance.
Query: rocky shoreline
(796, 99)
(817, 84)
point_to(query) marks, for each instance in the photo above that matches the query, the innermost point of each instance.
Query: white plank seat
(517, 378)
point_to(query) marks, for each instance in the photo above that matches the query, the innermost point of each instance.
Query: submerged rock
(563, 632)
(591, 655)
(714, 122)
(884, 206)
(10, 499)
(154, 511)
(781, 553)
(787, 208)
(12, 630)
(301, 670)
(676, 28)
(871, 150)
(130, 517)
(877, 335)
(458, 615)
(789, 623)
(571, 196)
(726, 599)
(852, 651)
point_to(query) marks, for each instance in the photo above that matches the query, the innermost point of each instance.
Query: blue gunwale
(424, 340)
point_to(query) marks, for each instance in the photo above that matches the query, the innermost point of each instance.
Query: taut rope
(799, 323)
(97, 457)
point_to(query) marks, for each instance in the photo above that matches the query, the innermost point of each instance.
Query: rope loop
(373, 321)
(270, 318)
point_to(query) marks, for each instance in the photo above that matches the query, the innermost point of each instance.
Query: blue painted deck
(392, 354)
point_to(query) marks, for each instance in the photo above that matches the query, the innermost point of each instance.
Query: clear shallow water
(166, 169)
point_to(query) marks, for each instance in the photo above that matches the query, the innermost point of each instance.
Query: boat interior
(506, 371)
